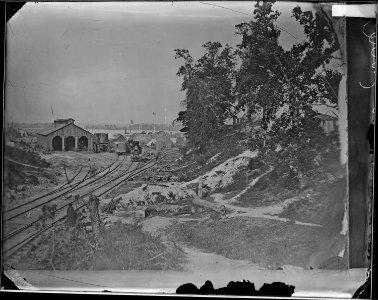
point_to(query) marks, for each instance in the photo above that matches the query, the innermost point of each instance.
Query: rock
(140, 213)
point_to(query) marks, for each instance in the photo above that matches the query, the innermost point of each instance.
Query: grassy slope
(16, 174)
(274, 243)
(269, 243)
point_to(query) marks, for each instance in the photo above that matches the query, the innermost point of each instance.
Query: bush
(25, 157)
(126, 247)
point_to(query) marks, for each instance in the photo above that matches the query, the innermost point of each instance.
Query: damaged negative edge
(17, 280)
(354, 10)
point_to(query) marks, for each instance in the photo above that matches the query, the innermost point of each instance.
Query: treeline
(142, 126)
(259, 76)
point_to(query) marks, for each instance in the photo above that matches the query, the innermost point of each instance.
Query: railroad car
(121, 148)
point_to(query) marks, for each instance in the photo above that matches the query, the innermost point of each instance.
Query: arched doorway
(83, 143)
(70, 143)
(57, 143)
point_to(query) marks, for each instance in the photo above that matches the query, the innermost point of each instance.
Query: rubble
(139, 213)
(161, 173)
(223, 175)
(212, 159)
(149, 194)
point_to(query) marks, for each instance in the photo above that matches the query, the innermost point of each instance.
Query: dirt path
(198, 261)
(266, 212)
(201, 261)
(249, 186)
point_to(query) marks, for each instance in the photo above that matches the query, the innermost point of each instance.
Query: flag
(52, 112)
(131, 121)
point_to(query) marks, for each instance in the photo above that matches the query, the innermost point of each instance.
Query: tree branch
(333, 91)
(53, 249)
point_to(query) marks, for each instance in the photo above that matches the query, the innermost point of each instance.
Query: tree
(286, 85)
(208, 84)
(256, 86)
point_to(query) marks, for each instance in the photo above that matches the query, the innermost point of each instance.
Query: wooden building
(101, 142)
(118, 138)
(64, 135)
(328, 123)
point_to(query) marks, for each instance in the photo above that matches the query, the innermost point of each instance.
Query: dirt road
(266, 212)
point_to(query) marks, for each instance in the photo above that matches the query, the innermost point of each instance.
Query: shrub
(126, 247)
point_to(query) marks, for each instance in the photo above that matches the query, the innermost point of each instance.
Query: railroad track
(80, 185)
(14, 245)
(63, 191)
(60, 188)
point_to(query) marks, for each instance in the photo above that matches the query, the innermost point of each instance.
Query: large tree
(286, 85)
(208, 84)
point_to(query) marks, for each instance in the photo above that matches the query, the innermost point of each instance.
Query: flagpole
(52, 113)
(153, 113)
(165, 115)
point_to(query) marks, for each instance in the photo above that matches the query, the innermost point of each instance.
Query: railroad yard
(85, 173)
(152, 195)
(184, 151)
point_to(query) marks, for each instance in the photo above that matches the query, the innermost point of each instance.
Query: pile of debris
(155, 193)
(150, 198)
(160, 173)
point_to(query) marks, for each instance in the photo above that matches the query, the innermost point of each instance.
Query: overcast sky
(113, 62)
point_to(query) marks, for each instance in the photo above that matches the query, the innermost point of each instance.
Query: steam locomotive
(136, 150)
(130, 147)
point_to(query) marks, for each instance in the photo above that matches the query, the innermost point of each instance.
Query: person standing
(70, 215)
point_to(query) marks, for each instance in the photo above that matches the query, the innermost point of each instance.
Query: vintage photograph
(152, 145)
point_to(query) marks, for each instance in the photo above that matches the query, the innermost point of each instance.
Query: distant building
(101, 142)
(142, 138)
(328, 123)
(152, 144)
(118, 138)
(64, 135)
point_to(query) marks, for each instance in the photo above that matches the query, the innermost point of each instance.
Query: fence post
(92, 205)
(200, 186)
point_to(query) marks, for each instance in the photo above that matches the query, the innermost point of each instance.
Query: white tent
(150, 143)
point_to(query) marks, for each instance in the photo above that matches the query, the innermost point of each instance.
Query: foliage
(26, 157)
(126, 247)
(283, 86)
(209, 99)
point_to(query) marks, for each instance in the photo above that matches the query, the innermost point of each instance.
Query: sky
(114, 62)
